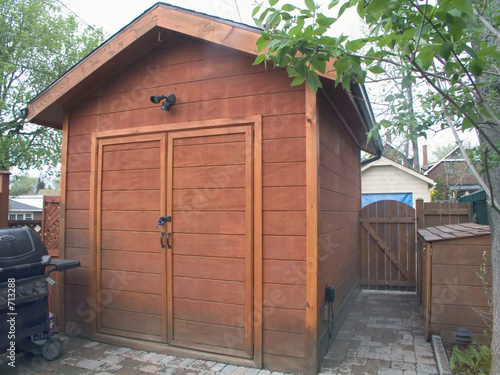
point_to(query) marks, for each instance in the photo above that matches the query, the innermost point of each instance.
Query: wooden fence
(390, 256)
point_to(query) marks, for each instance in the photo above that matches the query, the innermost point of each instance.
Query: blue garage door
(406, 198)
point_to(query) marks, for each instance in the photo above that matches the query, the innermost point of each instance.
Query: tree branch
(487, 24)
(464, 153)
(476, 90)
(444, 95)
(487, 171)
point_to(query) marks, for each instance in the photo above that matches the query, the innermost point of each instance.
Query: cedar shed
(257, 182)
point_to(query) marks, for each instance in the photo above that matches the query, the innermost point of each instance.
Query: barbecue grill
(25, 267)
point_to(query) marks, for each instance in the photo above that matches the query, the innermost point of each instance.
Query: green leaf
(310, 5)
(324, 21)
(445, 50)
(455, 28)
(407, 35)
(376, 8)
(273, 2)
(376, 69)
(288, 7)
(425, 57)
(308, 32)
(463, 5)
(319, 64)
(262, 42)
(298, 81)
(255, 10)
(313, 81)
(342, 65)
(470, 51)
(284, 61)
(356, 45)
(292, 72)
(476, 67)
(406, 81)
(259, 59)
(343, 8)
(333, 3)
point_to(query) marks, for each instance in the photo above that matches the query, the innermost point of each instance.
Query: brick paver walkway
(383, 335)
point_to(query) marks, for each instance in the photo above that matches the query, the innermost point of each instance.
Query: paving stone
(240, 370)
(252, 371)
(112, 359)
(150, 368)
(131, 363)
(127, 371)
(403, 366)
(89, 364)
(426, 369)
(218, 367)
(117, 351)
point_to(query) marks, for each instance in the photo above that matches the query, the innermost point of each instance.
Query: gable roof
(383, 161)
(445, 158)
(141, 36)
(128, 44)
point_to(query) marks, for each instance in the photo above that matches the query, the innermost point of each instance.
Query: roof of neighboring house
(383, 162)
(142, 35)
(446, 157)
(24, 203)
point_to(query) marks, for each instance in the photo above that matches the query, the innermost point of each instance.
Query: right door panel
(210, 199)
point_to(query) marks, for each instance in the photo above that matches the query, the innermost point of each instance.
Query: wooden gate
(388, 237)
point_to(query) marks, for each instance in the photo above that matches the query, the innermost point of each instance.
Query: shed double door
(188, 282)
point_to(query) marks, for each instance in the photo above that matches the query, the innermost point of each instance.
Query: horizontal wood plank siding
(210, 82)
(340, 203)
(457, 293)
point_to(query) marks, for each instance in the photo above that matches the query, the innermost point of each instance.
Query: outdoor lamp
(169, 101)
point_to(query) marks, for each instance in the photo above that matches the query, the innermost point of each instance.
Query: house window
(20, 217)
(12, 216)
(449, 167)
(28, 216)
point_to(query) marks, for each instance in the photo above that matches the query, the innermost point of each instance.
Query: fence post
(4, 199)
(419, 210)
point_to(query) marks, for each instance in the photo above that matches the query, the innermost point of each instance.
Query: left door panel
(129, 263)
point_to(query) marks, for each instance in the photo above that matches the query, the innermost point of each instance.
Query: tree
(441, 151)
(438, 192)
(37, 44)
(22, 185)
(449, 48)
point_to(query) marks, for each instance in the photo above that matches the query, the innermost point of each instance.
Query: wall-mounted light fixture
(169, 101)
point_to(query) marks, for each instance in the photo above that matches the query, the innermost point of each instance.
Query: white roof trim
(383, 161)
(443, 159)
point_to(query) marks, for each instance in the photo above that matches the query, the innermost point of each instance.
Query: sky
(112, 15)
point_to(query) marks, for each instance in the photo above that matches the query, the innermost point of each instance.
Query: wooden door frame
(155, 131)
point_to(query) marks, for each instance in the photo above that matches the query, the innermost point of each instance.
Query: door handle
(161, 240)
(168, 240)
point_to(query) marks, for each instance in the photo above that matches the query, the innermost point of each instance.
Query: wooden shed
(453, 294)
(260, 182)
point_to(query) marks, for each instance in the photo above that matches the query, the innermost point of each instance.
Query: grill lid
(20, 246)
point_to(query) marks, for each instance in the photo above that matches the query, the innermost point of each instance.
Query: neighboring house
(452, 171)
(257, 184)
(385, 179)
(26, 207)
